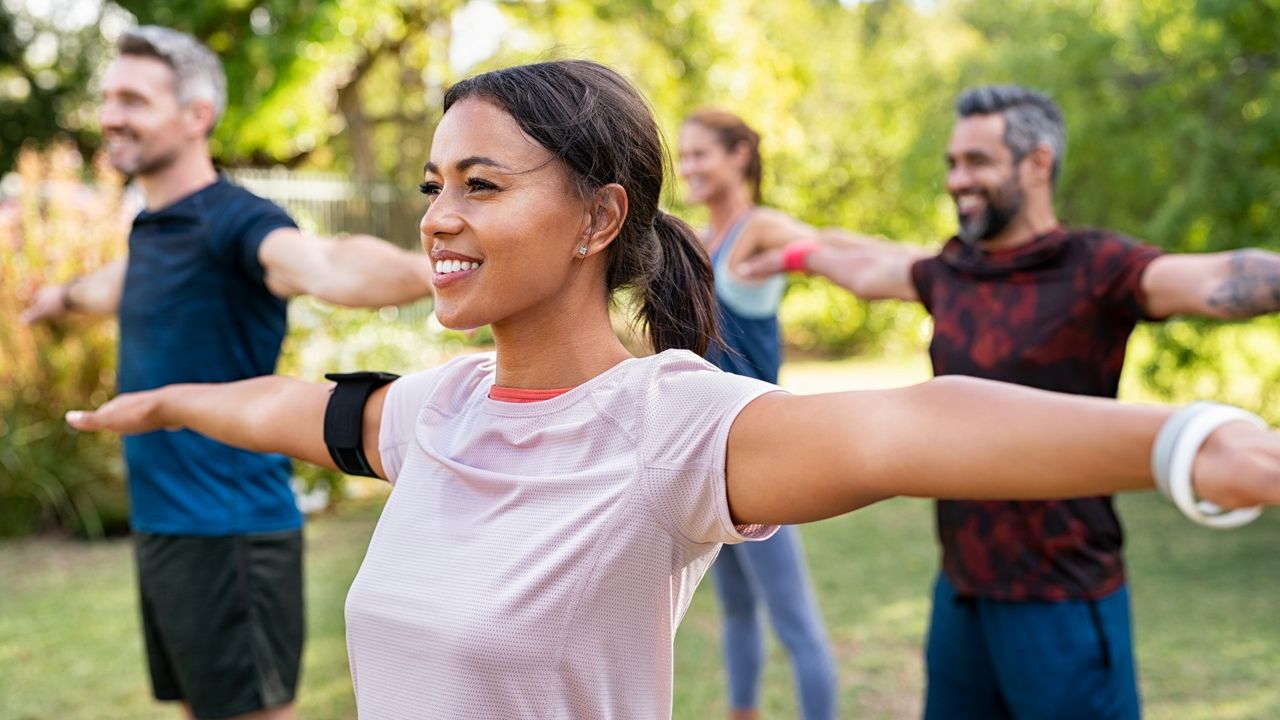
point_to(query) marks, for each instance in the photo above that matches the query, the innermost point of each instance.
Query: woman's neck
(559, 350)
(727, 207)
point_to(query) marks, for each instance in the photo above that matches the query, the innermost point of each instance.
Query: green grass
(70, 639)
(1206, 605)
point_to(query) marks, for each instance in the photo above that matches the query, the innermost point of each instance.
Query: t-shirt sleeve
(689, 410)
(405, 399)
(249, 220)
(1118, 264)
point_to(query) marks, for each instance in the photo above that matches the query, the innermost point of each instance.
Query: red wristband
(795, 257)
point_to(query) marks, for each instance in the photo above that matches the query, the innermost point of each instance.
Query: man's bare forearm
(1251, 286)
(99, 292)
(369, 272)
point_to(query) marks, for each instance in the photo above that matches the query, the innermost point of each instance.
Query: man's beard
(143, 164)
(1000, 209)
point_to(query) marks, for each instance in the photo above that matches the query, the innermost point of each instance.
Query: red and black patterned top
(1054, 314)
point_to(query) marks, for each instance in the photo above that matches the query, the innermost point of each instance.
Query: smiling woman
(556, 502)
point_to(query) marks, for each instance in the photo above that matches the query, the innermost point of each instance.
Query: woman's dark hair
(731, 131)
(600, 127)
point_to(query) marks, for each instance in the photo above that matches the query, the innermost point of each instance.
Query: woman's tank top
(748, 314)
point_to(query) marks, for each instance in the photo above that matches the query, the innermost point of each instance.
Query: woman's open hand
(127, 414)
(1239, 466)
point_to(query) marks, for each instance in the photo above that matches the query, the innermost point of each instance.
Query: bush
(1188, 359)
(57, 228)
(820, 319)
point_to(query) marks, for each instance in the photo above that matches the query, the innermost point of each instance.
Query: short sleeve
(405, 399)
(922, 279)
(239, 222)
(689, 409)
(261, 219)
(1117, 265)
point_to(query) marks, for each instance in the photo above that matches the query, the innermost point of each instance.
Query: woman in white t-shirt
(557, 501)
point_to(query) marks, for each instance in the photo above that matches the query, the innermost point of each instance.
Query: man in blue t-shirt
(201, 298)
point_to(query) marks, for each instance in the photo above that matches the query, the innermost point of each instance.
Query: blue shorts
(990, 659)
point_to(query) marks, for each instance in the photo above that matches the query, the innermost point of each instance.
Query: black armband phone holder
(344, 419)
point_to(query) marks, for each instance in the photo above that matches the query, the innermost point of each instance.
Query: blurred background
(1173, 118)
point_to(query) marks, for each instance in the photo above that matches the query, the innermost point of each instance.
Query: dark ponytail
(600, 127)
(679, 297)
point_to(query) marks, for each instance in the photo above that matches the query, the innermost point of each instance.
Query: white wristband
(1174, 455)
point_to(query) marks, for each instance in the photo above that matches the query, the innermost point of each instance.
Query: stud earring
(582, 251)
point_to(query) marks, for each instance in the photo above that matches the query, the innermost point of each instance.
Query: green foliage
(1190, 359)
(818, 318)
(50, 476)
(344, 84)
(46, 62)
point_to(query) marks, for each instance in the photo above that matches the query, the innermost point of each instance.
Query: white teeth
(444, 267)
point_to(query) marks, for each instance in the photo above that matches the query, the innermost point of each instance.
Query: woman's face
(503, 224)
(707, 167)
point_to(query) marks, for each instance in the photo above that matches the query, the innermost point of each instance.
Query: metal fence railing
(330, 204)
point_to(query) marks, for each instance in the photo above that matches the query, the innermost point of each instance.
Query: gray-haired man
(1031, 612)
(201, 297)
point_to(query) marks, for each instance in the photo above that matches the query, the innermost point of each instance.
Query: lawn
(1206, 605)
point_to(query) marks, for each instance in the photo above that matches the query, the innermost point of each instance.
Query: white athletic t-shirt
(534, 559)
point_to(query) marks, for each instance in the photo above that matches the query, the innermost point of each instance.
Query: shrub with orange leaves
(69, 218)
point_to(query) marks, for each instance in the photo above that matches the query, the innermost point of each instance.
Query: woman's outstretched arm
(272, 413)
(801, 458)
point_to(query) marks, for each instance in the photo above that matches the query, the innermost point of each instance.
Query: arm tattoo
(1252, 285)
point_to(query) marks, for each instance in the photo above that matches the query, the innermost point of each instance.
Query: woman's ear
(606, 212)
(741, 154)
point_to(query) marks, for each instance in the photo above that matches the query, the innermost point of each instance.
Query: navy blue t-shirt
(196, 309)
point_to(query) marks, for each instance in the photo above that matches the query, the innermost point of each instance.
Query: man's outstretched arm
(1229, 285)
(97, 293)
(357, 271)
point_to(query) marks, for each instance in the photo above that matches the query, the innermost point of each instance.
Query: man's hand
(97, 293)
(46, 303)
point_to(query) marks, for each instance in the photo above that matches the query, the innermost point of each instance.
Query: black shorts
(222, 618)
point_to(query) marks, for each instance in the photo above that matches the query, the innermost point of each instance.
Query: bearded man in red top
(1031, 612)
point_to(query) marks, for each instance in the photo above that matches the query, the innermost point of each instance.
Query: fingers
(33, 314)
(45, 303)
(1239, 466)
(85, 420)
